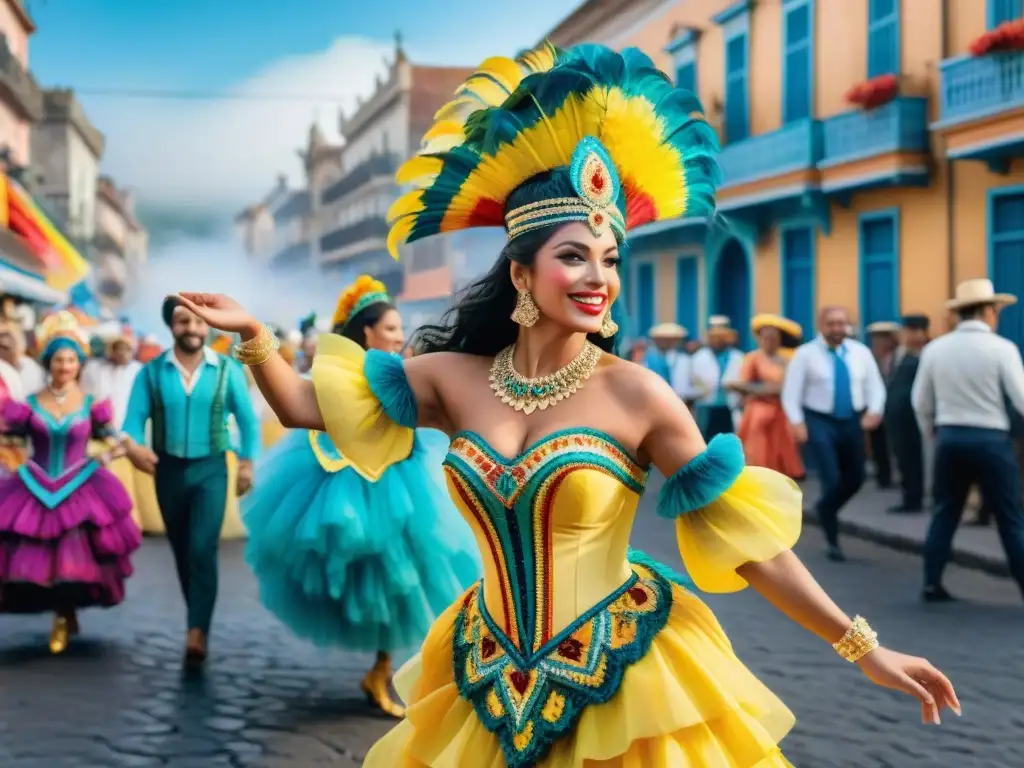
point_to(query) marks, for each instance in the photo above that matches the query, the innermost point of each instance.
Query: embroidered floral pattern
(531, 700)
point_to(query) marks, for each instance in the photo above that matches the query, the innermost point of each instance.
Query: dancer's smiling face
(574, 278)
(65, 366)
(387, 333)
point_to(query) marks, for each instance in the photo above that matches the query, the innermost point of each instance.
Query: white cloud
(226, 152)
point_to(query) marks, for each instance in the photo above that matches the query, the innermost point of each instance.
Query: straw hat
(721, 326)
(884, 326)
(980, 290)
(667, 331)
(792, 333)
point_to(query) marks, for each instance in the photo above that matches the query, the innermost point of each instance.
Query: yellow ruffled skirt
(688, 703)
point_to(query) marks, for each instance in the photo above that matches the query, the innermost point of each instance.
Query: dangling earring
(608, 326)
(526, 313)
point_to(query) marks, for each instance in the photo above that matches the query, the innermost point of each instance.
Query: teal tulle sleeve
(385, 374)
(706, 477)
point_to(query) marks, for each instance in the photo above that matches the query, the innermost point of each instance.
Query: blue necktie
(842, 407)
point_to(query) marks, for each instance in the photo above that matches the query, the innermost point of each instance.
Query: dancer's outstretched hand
(912, 675)
(220, 311)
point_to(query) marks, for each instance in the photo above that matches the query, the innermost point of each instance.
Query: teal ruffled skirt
(348, 563)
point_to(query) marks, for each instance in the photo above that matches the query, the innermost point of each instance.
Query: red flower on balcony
(1008, 36)
(874, 92)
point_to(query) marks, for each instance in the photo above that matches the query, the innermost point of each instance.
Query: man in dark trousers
(186, 395)
(884, 339)
(900, 420)
(968, 383)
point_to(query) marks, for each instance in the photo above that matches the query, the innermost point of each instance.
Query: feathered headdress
(623, 145)
(357, 297)
(62, 330)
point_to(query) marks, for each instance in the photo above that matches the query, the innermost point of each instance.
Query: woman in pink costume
(66, 530)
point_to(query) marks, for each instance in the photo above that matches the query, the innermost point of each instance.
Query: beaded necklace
(529, 395)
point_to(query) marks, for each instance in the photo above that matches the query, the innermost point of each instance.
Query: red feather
(640, 208)
(487, 213)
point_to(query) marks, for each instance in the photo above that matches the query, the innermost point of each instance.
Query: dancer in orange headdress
(355, 559)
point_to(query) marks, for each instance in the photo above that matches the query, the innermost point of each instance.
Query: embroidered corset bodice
(552, 525)
(58, 444)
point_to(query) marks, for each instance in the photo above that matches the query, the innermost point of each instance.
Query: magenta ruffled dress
(66, 531)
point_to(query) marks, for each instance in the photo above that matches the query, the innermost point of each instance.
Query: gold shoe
(59, 635)
(375, 686)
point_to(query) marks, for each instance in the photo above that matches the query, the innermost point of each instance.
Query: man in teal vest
(186, 395)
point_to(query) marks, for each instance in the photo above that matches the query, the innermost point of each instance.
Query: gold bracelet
(860, 640)
(256, 350)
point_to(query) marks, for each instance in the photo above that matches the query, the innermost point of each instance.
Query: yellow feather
(632, 134)
(409, 203)
(504, 69)
(445, 128)
(532, 152)
(399, 233)
(418, 167)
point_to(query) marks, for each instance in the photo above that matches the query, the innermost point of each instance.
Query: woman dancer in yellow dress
(570, 651)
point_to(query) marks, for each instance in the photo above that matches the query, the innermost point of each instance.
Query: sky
(255, 73)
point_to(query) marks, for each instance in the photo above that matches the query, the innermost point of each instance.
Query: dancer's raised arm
(292, 397)
(289, 395)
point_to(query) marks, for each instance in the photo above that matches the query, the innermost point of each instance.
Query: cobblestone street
(118, 698)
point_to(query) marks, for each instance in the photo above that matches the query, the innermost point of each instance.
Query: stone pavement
(866, 518)
(118, 698)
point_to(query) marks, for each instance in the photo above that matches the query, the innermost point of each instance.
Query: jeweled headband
(597, 187)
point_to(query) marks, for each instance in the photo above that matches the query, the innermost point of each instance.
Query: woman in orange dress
(764, 429)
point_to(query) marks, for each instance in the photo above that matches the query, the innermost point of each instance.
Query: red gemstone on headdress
(520, 681)
(639, 595)
(487, 648)
(598, 218)
(597, 180)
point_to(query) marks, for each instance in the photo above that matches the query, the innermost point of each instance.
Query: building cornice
(61, 106)
(22, 15)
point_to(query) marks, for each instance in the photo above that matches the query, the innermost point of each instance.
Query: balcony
(373, 229)
(981, 108)
(887, 146)
(376, 166)
(18, 87)
(771, 168)
(291, 256)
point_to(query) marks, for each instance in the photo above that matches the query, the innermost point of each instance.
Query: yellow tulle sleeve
(758, 517)
(361, 399)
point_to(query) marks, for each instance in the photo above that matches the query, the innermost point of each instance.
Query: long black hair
(367, 317)
(479, 321)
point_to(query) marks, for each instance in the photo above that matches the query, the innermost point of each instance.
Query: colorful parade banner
(65, 266)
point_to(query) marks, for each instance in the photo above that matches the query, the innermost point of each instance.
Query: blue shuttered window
(644, 297)
(879, 267)
(798, 60)
(1006, 254)
(686, 70)
(883, 37)
(798, 277)
(737, 95)
(687, 294)
(1001, 11)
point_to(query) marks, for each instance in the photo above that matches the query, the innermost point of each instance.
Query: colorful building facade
(823, 202)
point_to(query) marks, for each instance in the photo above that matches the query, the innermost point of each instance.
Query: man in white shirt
(832, 394)
(967, 383)
(12, 352)
(712, 368)
(111, 377)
